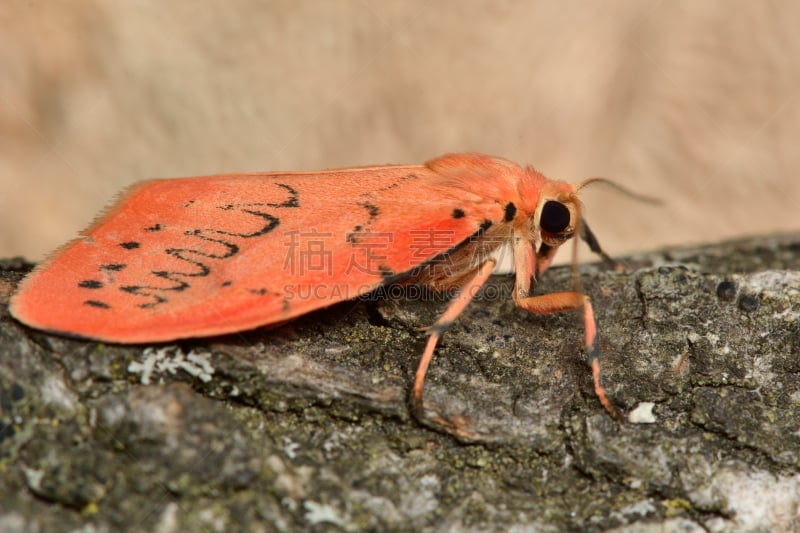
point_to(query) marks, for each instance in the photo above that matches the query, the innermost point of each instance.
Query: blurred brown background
(696, 102)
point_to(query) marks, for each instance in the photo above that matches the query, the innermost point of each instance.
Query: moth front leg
(569, 301)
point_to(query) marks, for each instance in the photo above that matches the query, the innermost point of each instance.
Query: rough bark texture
(306, 426)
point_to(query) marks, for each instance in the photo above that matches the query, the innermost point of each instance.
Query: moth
(206, 256)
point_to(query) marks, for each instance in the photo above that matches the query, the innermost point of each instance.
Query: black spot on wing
(149, 292)
(272, 222)
(372, 209)
(352, 237)
(90, 284)
(155, 292)
(113, 267)
(458, 213)
(97, 304)
(511, 211)
(154, 227)
(292, 201)
(395, 184)
(130, 245)
(259, 292)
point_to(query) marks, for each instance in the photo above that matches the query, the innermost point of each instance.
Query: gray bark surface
(306, 426)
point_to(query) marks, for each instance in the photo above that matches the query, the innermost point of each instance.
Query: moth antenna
(586, 233)
(576, 279)
(619, 188)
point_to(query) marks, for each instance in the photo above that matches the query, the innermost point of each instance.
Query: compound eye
(555, 217)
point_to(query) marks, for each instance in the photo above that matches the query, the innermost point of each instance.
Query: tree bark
(307, 426)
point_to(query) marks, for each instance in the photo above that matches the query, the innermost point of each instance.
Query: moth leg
(569, 301)
(457, 305)
(544, 258)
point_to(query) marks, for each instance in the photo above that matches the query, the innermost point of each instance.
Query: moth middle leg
(455, 425)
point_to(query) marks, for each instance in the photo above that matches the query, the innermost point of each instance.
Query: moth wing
(205, 256)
